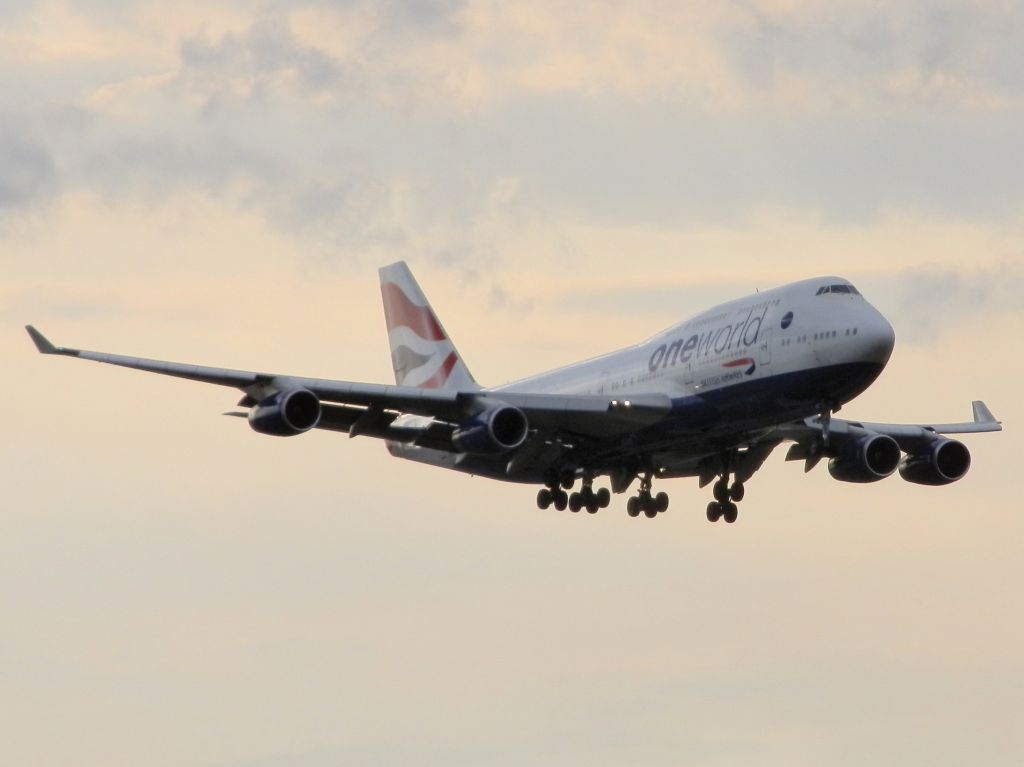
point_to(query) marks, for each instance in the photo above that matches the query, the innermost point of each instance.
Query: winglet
(981, 413)
(42, 342)
(44, 345)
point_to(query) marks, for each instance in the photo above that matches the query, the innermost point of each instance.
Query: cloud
(444, 131)
(862, 55)
(265, 58)
(925, 302)
(28, 175)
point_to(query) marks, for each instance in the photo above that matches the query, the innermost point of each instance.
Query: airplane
(710, 397)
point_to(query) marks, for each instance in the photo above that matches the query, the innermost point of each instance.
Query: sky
(217, 183)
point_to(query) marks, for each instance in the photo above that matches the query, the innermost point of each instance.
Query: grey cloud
(304, 138)
(420, 16)
(27, 171)
(627, 162)
(266, 51)
(437, 15)
(840, 45)
(927, 301)
(156, 167)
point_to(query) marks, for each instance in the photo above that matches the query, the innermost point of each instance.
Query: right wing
(371, 409)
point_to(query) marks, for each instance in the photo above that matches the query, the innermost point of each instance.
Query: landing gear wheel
(592, 504)
(633, 507)
(604, 497)
(568, 480)
(714, 511)
(721, 490)
(730, 512)
(661, 502)
(575, 502)
(649, 506)
(561, 499)
(737, 491)
(544, 498)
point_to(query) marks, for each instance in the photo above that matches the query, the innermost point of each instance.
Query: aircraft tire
(604, 497)
(661, 502)
(737, 492)
(575, 502)
(544, 498)
(730, 513)
(721, 490)
(561, 500)
(714, 511)
(633, 507)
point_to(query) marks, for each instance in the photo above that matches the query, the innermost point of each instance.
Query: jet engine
(286, 413)
(942, 461)
(868, 459)
(495, 430)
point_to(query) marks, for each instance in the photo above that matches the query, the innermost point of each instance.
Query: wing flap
(584, 414)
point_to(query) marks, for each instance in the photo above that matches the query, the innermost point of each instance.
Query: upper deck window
(837, 289)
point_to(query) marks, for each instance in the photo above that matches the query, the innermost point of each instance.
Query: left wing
(362, 408)
(871, 451)
(908, 436)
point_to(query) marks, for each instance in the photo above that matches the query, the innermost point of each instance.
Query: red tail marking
(440, 378)
(401, 312)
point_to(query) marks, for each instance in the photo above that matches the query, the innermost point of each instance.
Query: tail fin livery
(421, 352)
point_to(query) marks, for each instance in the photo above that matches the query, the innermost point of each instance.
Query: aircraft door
(765, 349)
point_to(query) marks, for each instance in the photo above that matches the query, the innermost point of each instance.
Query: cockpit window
(837, 289)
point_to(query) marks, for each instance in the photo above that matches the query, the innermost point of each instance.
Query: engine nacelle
(941, 462)
(286, 413)
(869, 459)
(496, 430)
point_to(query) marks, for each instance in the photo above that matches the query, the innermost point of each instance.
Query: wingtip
(981, 413)
(42, 342)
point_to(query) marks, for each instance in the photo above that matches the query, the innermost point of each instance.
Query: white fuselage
(788, 330)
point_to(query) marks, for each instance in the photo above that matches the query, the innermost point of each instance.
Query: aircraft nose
(877, 338)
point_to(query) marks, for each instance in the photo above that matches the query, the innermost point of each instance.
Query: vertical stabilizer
(421, 351)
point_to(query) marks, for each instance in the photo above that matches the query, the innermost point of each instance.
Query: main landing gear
(650, 505)
(724, 505)
(554, 493)
(587, 498)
